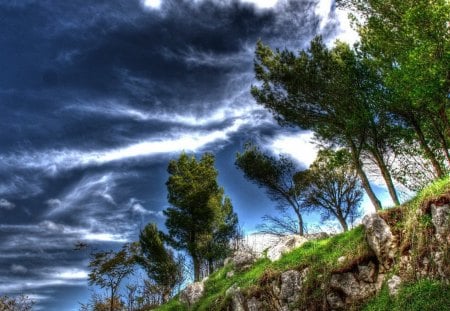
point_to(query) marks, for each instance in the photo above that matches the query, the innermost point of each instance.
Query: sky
(97, 96)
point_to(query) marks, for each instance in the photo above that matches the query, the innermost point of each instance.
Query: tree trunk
(196, 263)
(428, 153)
(210, 266)
(300, 223)
(343, 223)
(386, 176)
(364, 180)
(111, 303)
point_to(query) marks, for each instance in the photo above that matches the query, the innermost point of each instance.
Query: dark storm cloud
(96, 97)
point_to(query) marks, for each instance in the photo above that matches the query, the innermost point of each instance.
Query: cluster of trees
(384, 102)
(330, 186)
(200, 222)
(381, 105)
(19, 303)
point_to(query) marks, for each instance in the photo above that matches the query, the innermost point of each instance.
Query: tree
(408, 42)
(109, 268)
(224, 229)
(159, 262)
(197, 207)
(333, 186)
(333, 93)
(19, 303)
(276, 176)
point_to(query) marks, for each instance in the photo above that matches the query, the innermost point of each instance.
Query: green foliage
(276, 176)
(109, 268)
(424, 295)
(158, 261)
(19, 303)
(200, 220)
(333, 187)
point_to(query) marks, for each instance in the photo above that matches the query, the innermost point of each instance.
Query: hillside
(397, 260)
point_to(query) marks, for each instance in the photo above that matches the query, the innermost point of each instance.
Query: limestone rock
(440, 216)
(394, 284)
(285, 245)
(341, 260)
(230, 274)
(335, 301)
(380, 239)
(351, 287)
(192, 293)
(367, 272)
(254, 304)
(291, 285)
(243, 260)
(237, 299)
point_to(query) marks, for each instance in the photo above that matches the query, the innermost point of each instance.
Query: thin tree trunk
(210, 266)
(386, 176)
(428, 153)
(343, 223)
(364, 180)
(196, 263)
(111, 304)
(300, 223)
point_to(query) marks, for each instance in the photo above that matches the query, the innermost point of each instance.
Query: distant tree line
(200, 222)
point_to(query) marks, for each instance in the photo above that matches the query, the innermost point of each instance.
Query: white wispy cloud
(299, 146)
(19, 269)
(55, 161)
(7, 205)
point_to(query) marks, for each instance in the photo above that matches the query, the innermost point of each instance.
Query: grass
(424, 295)
(321, 258)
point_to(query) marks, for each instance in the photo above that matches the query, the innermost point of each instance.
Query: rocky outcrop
(285, 245)
(380, 239)
(355, 279)
(193, 292)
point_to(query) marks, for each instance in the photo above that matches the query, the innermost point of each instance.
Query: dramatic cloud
(5, 204)
(97, 97)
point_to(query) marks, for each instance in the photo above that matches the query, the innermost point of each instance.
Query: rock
(440, 218)
(192, 293)
(291, 285)
(380, 239)
(254, 304)
(230, 274)
(394, 284)
(341, 260)
(335, 301)
(351, 287)
(237, 299)
(285, 245)
(243, 260)
(367, 272)
(318, 235)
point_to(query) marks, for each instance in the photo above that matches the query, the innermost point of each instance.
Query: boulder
(380, 239)
(243, 260)
(237, 299)
(394, 284)
(284, 245)
(192, 293)
(367, 273)
(254, 304)
(440, 216)
(291, 285)
(353, 289)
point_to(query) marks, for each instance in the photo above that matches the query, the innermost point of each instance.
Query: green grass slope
(321, 258)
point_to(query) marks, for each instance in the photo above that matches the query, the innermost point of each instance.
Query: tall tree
(333, 186)
(408, 42)
(158, 261)
(331, 92)
(197, 206)
(276, 176)
(109, 268)
(224, 229)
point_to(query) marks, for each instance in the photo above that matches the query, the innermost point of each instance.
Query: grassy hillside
(321, 256)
